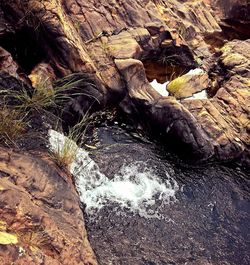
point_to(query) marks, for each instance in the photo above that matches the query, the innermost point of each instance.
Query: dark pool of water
(207, 224)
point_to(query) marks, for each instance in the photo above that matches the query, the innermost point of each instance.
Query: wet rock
(40, 223)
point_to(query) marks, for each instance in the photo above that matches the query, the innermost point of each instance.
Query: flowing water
(143, 207)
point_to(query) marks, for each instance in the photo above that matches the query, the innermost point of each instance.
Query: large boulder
(39, 224)
(187, 85)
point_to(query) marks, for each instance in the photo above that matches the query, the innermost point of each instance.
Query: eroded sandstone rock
(225, 118)
(165, 115)
(71, 31)
(90, 36)
(40, 212)
(217, 127)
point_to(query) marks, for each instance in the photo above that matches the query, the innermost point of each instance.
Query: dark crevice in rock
(218, 75)
(231, 30)
(162, 72)
(168, 62)
(26, 48)
(172, 55)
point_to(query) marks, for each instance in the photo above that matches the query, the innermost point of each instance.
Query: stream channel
(143, 206)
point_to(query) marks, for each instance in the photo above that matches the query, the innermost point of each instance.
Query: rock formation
(120, 46)
(39, 224)
(71, 37)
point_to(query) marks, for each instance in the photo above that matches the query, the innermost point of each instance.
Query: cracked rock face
(38, 223)
(101, 38)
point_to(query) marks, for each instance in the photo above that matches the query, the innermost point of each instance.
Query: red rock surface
(41, 209)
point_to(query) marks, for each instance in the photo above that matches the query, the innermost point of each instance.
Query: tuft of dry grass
(44, 97)
(65, 152)
(16, 106)
(12, 124)
(176, 86)
(65, 155)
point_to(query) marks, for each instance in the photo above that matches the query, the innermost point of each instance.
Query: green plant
(44, 97)
(175, 86)
(12, 124)
(65, 151)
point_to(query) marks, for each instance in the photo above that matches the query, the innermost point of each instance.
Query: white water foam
(135, 187)
(160, 88)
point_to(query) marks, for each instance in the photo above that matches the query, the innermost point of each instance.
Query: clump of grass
(17, 104)
(65, 152)
(44, 97)
(41, 98)
(12, 124)
(176, 86)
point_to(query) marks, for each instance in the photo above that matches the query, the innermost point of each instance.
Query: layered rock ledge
(40, 217)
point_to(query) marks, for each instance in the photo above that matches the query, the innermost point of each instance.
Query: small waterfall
(135, 187)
